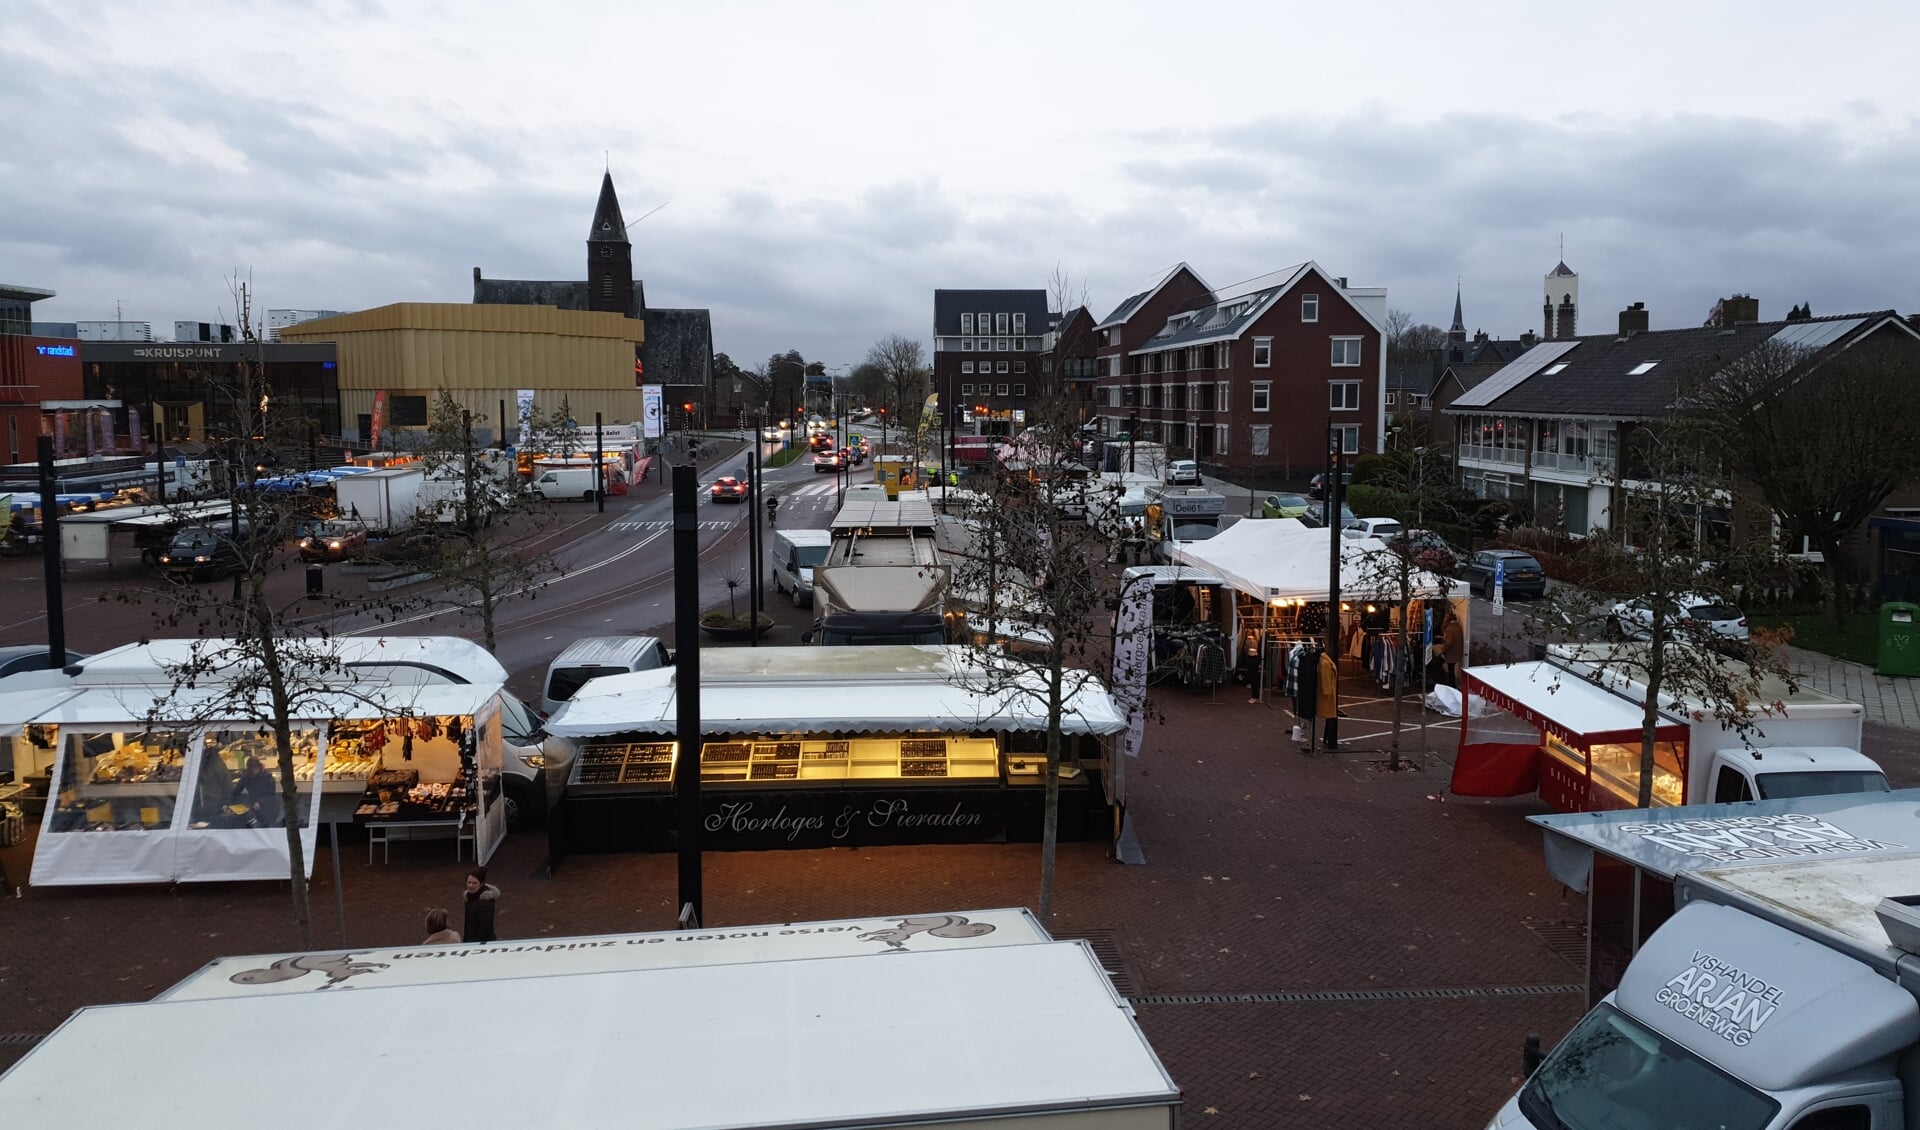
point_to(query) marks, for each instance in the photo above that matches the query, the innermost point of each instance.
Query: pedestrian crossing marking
(629, 527)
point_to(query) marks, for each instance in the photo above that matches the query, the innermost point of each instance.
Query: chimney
(1739, 308)
(1479, 335)
(1633, 320)
(1529, 339)
(1341, 282)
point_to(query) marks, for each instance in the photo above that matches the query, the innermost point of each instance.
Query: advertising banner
(650, 396)
(525, 402)
(379, 420)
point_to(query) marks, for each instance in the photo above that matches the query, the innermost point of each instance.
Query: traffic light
(639, 368)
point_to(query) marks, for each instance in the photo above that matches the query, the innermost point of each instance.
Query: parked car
(1183, 472)
(1521, 573)
(1317, 486)
(1316, 515)
(1284, 506)
(1713, 620)
(728, 489)
(337, 540)
(1427, 550)
(30, 657)
(1373, 528)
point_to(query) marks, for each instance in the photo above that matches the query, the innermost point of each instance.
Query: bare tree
(1031, 578)
(1411, 341)
(901, 364)
(1824, 440)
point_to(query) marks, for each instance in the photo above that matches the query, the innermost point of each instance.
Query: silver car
(1718, 621)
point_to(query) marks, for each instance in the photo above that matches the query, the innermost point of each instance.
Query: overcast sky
(825, 166)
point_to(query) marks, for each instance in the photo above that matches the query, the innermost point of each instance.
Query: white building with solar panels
(1545, 430)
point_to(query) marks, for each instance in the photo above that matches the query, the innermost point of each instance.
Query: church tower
(1457, 334)
(1560, 312)
(609, 256)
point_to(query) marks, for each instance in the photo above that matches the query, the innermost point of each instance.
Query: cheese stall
(827, 747)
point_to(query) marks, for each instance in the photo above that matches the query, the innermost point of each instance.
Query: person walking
(483, 900)
(1453, 648)
(438, 933)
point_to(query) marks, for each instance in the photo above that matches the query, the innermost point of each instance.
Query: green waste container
(1899, 639)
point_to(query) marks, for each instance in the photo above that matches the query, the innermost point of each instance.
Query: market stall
(144, 781)
(1578, 743)
(1279, 570)
(828, 746)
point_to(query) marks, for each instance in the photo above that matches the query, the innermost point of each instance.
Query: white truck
(1809, 746)
(1780, 994)
(564, 483)
(1186, 515)
(385, 500)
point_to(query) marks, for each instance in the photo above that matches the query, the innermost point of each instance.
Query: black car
(1521, 573)
(1316, 516)
(202, 553)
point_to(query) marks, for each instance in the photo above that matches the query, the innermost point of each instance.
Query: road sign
(1499, 587)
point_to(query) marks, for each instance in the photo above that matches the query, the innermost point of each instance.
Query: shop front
(1578, 744)
(828, 747)
(132, 797)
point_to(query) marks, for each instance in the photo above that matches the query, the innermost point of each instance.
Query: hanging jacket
(1328, 691)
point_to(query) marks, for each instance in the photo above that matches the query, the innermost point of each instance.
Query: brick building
(34, 371)
(1253, 380)
(988, 347)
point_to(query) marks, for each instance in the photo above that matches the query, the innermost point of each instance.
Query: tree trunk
(283, 742)
(1050, 826)
(1650, 711)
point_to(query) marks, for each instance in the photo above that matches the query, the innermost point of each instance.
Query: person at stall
(1452, 649)
(438, 932)
(1327, 701)
(483, 900)
(256, 788)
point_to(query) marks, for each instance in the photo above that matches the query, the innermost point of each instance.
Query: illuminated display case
(624, 766)
(1616, 769)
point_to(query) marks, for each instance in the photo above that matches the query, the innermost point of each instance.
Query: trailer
(385, 500)
(1779, 987)
(936, 1032)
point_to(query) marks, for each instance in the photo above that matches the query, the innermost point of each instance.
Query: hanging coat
(1329, 689)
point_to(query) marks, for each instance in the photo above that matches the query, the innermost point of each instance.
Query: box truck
(1780, 994)
(385, 500)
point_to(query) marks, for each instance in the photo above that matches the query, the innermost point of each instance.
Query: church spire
(608, 226)
(1458, 332)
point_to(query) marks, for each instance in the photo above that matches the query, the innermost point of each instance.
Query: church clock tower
(609, 256)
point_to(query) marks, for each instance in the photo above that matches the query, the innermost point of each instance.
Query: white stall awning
(1280, 559)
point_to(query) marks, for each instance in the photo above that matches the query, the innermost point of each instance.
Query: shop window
(238, 785)
(1616, 770)
(119, 781)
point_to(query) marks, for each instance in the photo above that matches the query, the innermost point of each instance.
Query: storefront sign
(54, 350)
(650, 411)
(182, 353)
(1722, 998)
(836, 818)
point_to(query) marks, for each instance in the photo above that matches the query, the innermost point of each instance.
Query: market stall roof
(1173, 574)
(158, 660)
(120, 705)
(839, 690)
(1281, 559)
(1561, 702)
(1667, 841)
(916, 1037)
(867, 513)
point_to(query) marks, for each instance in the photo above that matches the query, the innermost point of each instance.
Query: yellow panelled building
(482, 354)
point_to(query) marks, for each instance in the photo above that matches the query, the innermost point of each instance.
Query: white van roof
(605, 651)
(803, 537)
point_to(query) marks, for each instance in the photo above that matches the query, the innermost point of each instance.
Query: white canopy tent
(142, 768)
(837, 689)
(1281, 559)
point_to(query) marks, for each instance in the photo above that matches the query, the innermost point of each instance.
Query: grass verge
(1859, 641)
(782, 458)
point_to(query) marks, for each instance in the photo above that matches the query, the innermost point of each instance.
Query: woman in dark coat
(482, 900)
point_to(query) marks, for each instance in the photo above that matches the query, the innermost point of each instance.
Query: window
(1343, 396)
(1221, 401)
(1001, 367)
(1349, 436)
(1309, 307)
(1262, 392)
(1219, 439)
(407, 411)
(966, 323)
(1262, 352)
(1346, 351)
(1019, 366)
(999, 323)
(1259, 434)
(1556, 367)
(1390, 397)
(1002, 344)
(966, 345)
(983, 323)
(1642, 368)
(966, 366)
(1019, 323)
(1019, 390)
(1224, 358)
(966, 390)
(1002, 391)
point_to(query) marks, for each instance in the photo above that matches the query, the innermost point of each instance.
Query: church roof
(608, 225)
(1560, 271)
(1459, 323)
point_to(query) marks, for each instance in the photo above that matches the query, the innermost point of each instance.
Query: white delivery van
(384, 500)
(1779, 995)
(564, 483)
(796, 553)
(593, 657)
